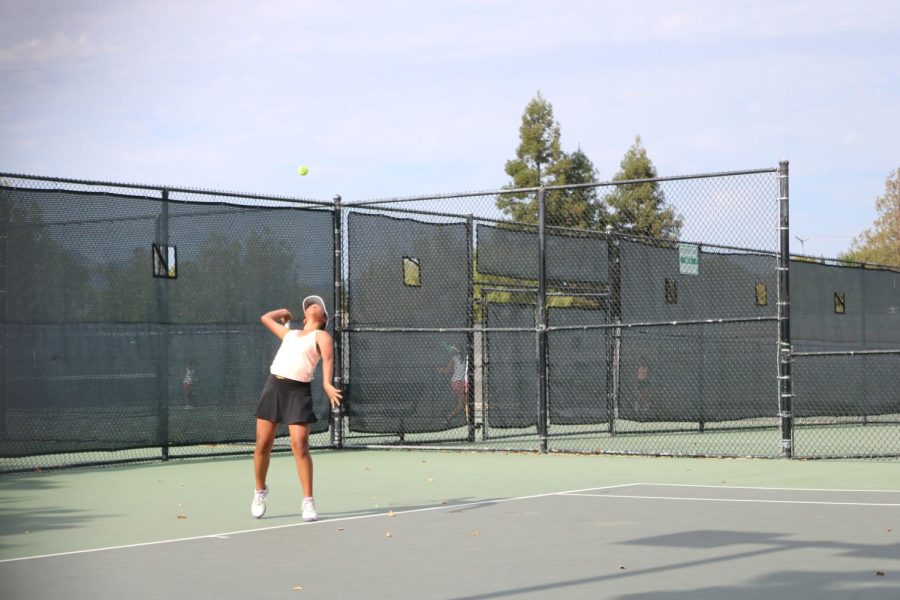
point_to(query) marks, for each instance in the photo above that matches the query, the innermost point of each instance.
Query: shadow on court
(19, 516)
(453, 505)
(772, 542)
(783, 584)
(786, 584)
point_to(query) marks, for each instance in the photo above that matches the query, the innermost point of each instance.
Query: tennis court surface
(458, 525)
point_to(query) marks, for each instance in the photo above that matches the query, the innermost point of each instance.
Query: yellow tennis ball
(303, 170)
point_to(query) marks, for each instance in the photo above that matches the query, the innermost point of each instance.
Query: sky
(397, 98)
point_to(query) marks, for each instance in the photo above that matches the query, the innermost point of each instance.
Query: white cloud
(396, 98)
(58, 47)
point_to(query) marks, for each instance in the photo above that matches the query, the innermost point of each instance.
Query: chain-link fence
(131, 316)
(644, 317)
(846, 364)
(618, 317)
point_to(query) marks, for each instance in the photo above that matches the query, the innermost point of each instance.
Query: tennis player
(286, 397)
(459, 382)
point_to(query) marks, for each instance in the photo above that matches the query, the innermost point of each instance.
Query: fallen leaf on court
(621, 567)
(443, 502)
(475, 533)
(182, 516)
(297, 587)
(392, 514)
(879, 573)
(340, 528)
(388, 534)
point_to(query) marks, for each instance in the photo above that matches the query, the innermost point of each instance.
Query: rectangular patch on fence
(164, 261)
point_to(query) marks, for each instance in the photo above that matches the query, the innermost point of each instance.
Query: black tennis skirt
(286, 401)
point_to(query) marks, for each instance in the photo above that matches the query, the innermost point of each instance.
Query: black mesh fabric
(714, 372)
(101, 355)
(399, 382)
(98, 356)
(511, 369)
(513, 252)
(724, 288)
(845, 385)
(577, 375)
(871, 317)
(378, 292)
(698, 373)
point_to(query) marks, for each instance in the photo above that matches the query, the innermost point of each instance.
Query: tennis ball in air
(303, 170)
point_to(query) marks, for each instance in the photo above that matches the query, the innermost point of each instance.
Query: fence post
(613, 316)
(470, 324)
(542, 322)
(162, 308)
(337, 414)
(785, 389)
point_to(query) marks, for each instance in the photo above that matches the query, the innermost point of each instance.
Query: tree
(46, 278)
(540, 161)
(575, 207)
(128, 293)
(233, 279)
(640, 208)
(881, 243)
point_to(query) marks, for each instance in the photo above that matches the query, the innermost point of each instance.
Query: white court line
(731, 500)
(745, 487)
(322, 522)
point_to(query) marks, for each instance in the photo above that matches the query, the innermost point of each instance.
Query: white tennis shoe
(308, 509)
(258, 507)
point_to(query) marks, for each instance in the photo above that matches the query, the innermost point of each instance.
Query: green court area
(441, 524)
(62, 511)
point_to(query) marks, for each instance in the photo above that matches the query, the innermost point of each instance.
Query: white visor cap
(315, 300)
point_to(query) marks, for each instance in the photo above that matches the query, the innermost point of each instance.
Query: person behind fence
(642, 375)
(286, 397)
(186, 382)
(459, 383)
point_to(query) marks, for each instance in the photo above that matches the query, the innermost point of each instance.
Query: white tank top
(459, 368)
(297, 357)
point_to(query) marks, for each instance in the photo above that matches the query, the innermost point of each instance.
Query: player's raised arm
(275, 320)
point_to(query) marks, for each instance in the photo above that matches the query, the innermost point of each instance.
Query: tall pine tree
(540, 161)
(640, 208)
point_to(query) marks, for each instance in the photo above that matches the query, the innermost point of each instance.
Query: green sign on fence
(688, 261)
